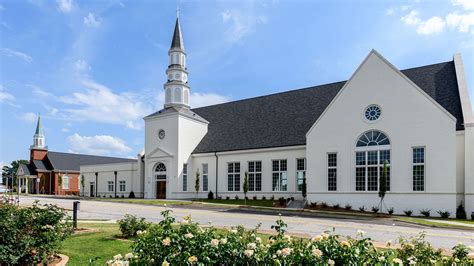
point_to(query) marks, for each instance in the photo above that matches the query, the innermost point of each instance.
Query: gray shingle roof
(27, 169)
(72, 161)
(283, 119)
(41, 165)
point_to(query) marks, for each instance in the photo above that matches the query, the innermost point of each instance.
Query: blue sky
(93, 69)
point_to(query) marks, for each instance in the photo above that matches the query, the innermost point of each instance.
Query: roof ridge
(82, 154)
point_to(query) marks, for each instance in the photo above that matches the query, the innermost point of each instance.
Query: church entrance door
(161, 189)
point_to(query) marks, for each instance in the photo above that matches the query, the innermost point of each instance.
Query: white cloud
(40, 92)
(433, 25)
(461, 22)
(97, 145)
(64, 129)
(28, 117)
(5, 96)
(100, 104)
(20, 55)
(65, 6)
(81, 65)
(465, 4)
(411, 18)
(204, 99)
(92, 21)
(241, 23)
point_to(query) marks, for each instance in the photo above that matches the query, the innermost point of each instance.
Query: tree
(82, 184)
(383, 184)
(246, 186)
(304, 188)
(196, 185)
(9, 171)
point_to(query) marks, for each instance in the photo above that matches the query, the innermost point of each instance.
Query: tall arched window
(372, 151)
(160, 171)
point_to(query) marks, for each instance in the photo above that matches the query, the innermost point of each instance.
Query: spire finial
(177, 11)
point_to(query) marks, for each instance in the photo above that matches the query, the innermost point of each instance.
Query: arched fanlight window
(160, 167)
(373, 138)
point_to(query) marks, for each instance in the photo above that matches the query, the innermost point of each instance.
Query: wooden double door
(161, 189)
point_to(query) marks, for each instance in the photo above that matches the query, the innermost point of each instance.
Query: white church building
(337, 136)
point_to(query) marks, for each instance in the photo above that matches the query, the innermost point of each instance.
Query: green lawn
(437, 222)
(84, 246)
(263, 203)
(147, 201)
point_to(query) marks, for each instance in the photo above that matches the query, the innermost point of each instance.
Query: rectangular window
(255, 175)
(185, 177)
(332, 171)
(233, 176)
(300, 173)
(279, 175)
(205, 177)
(122, 186)
(110, 186)
(65, 182)
(369, 169)
(419, 169)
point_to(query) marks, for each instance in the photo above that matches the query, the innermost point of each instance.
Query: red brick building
(47, 168)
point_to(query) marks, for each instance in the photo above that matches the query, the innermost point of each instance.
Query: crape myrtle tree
(82, 184)
(246, 186)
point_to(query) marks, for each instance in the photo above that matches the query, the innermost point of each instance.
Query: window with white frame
(279, 175)
(110, 185)
(255, 175)
(122, 185)
(233, 176)
(300, 173)
(418, 169)
(332, 171)
(66, 181)
(185, 177)
(372, 152)
(205, 177)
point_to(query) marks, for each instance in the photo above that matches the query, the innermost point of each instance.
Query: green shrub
(130, 225)
(336, 206)
(444, 214)
(131, 195)
(210, 195)
(348, 207)
(461, 212)
(408, 212)
(417, 249)
(390, 211)
(31, 235)
(375, 209)
(425, 212)
(362, 208)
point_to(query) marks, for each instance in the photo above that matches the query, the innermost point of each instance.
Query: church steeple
(38, 138)
(177, 88)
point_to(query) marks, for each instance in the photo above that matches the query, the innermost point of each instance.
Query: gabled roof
(42, 165)
(27, 169)
(177, 41)
(283, 119)
(72, 162)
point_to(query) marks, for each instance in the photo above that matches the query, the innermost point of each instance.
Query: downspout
(217, 175)
(96, 184)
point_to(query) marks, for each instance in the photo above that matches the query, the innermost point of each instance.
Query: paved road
(380, 230)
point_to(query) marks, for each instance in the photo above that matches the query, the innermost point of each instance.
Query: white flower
(165, 263)
(184, 221)
(288, 237)
(278, 252)
(223, 241)
(118, 257)
(286, 252)
(271, 241)
(345, 244)
(433, 261)
(248, 253)
(331, 262)
(215, 242)
(109, 262)
(360, 233)
(456, 260)
(128, 256)
(166, 241)
(233, 231)
(411, 262)
(389, 243)
(317, 238)
(325, 236)
(251, 246)
(397, 261)
(189, 235)
(139, 232)
(258, 240)
(192, 259)
(317, 252)
(381, 258)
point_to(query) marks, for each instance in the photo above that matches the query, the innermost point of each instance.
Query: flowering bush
(31, 235)
(130, 225)
(188, 243)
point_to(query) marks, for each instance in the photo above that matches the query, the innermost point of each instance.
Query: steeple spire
(38, 138)
(177, 88)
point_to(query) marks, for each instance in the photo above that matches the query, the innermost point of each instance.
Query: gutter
(217, 171)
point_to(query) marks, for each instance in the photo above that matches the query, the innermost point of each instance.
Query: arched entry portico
(160, 179)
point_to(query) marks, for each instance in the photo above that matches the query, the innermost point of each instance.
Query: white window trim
(280, 176)
(378, 149)
(185, 177)
(255, 172)
(68, 178)
(205, 174)
(108, 186)
(124, 185)
(234, 173)
(331, 167)
(297, 171)
(424, 170)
